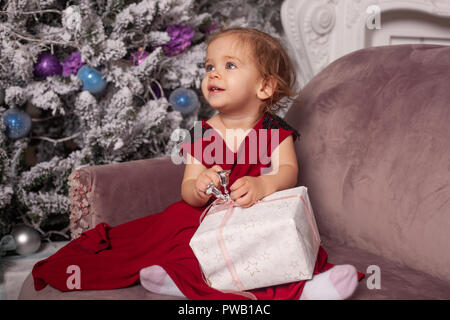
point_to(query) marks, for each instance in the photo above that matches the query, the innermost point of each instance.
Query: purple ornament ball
(47, 65)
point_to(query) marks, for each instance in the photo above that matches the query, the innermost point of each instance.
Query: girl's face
(232, 83)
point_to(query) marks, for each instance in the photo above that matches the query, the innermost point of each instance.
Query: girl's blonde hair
(272, 61)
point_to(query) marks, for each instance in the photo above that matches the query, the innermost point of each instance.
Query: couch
(374, 153)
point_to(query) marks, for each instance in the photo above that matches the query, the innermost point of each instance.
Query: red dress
(111, 257)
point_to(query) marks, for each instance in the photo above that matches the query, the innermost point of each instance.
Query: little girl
(247, 73)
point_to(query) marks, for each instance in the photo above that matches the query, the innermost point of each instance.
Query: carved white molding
(321, 31)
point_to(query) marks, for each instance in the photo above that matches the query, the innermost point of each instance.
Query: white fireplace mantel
(321, 31)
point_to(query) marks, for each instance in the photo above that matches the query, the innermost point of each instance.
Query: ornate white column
(321, 31)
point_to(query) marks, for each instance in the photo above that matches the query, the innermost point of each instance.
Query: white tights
(338, 283)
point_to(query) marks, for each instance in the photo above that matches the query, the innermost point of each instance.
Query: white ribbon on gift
(229, 204)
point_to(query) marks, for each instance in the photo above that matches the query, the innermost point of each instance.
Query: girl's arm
(196, 179)
(285, 169)
(247, 190)
(188, 190)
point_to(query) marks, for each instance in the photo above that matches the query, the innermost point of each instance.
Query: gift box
(273, 242)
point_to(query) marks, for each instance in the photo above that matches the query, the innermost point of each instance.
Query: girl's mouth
(214, 90)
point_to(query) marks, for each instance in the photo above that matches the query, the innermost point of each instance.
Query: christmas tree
(96, 82)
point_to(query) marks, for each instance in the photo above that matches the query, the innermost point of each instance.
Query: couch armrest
(121, 192)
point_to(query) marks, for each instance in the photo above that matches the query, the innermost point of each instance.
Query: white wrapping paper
(270, 243)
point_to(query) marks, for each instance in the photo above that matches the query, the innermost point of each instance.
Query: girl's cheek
(204, 88)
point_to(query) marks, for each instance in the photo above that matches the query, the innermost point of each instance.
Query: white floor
(14, 269)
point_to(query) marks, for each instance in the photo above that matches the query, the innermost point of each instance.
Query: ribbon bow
(219, 204)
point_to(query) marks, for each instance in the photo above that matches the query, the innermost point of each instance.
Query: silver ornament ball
(27, 239)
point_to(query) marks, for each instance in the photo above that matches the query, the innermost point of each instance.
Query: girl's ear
(267, 88)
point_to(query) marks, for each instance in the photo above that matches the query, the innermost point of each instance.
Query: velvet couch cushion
(396, 281)
(375, 152)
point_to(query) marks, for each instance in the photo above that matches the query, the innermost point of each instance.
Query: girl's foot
(338, 283)
(155, 279)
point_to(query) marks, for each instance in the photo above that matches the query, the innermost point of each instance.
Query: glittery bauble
(72, 64)
(184, 100)
(47, 65)
(138, 57)
(17, 123)
(92, 79)
(180, 39)
(27, 239)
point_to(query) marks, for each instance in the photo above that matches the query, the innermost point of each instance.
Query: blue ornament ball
(92, 79)
(184, 100)
(17, 123)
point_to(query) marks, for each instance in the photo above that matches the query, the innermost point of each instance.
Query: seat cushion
(397, 281)
(135, 292)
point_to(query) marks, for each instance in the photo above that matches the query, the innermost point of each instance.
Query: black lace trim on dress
(272, 121)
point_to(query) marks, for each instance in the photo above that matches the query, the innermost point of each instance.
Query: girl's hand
(247, 190)
(205, 178)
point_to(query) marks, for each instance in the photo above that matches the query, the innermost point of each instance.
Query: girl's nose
(214, 74)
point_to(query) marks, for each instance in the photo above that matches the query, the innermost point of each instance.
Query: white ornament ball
(27, 239)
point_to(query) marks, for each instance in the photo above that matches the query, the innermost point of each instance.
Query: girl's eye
(230, 65)
(209, 67)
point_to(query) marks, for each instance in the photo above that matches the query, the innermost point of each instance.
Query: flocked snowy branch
(130, 120)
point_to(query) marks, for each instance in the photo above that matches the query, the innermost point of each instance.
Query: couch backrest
(374, 152)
